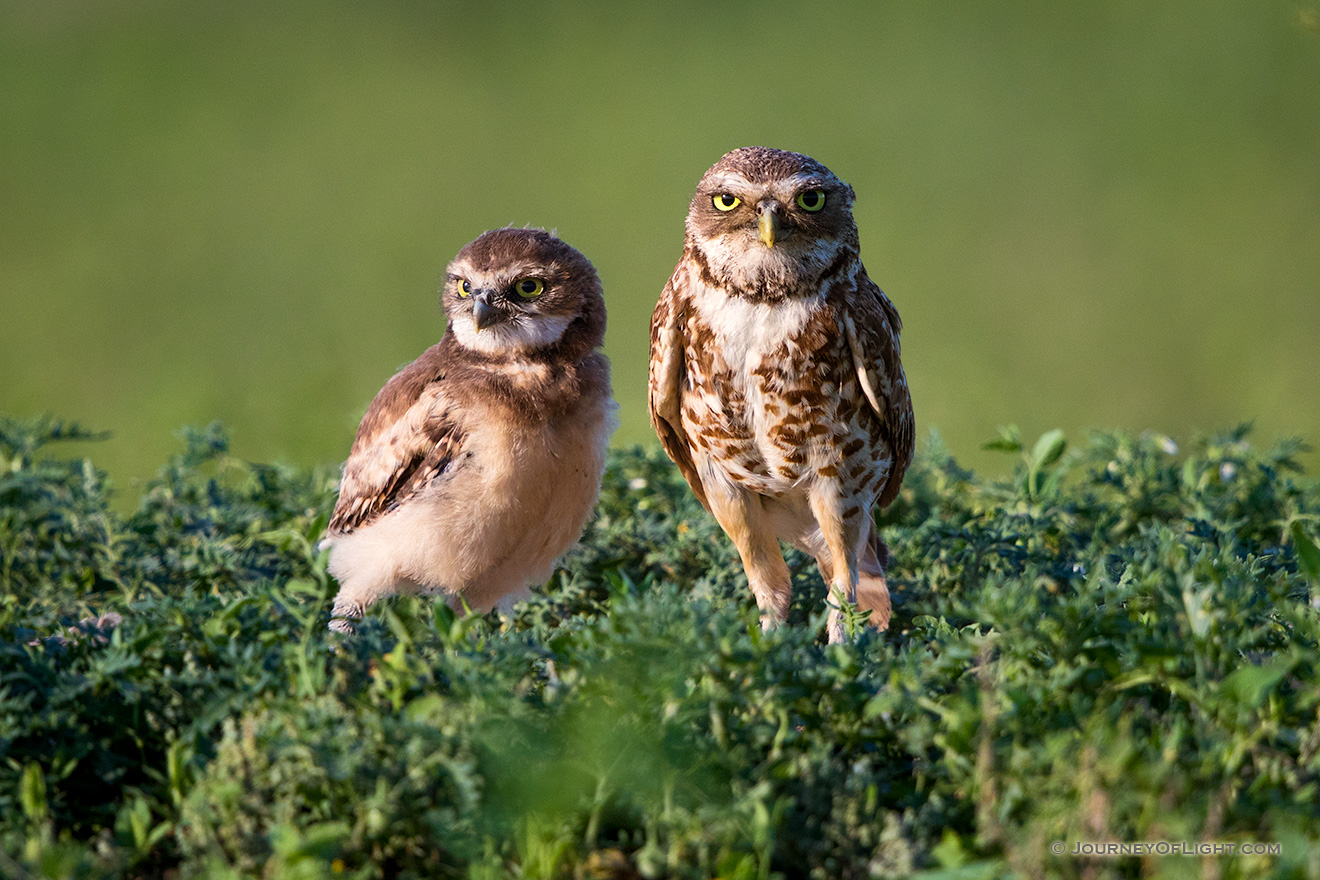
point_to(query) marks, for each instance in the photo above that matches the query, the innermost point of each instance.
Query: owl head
(517, 292)
(769, 223)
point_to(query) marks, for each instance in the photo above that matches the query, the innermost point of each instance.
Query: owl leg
(872, 589)
(357, 593)
(506, 605)
(355, 596)
(743, 518)
(841, 526)
(796, 523)
(365, 574)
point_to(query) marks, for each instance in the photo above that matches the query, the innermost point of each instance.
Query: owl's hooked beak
(483, 313)
(768, 221)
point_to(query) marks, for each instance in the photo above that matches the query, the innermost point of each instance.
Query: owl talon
(344, 617)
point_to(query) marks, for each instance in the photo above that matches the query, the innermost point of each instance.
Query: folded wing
(666, 381)
(407, 440)
(873, 339)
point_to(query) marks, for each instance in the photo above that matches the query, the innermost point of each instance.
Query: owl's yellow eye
(464, 288)
(726, 201)
(812, 200)
(530, 288)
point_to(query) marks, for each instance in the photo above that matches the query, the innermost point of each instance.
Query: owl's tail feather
(872, 591)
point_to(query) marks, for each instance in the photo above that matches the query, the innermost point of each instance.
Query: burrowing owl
(775, 381)
(476, 466)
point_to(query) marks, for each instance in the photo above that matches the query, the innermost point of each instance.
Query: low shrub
(1116, 643)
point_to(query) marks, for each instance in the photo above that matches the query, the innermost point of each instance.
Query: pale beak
(768, 221)
(483, 313)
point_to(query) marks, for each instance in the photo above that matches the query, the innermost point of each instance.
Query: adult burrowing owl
(775, 381)
(476, 466)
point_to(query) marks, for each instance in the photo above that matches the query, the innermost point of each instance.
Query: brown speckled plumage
(776, 385)
(476, 465)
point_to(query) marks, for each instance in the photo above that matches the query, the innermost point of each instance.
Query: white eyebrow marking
(730, 180)
(803, 178)
(784, 187)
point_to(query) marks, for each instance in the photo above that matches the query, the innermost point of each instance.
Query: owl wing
(409, 437)
(666, 380)
(872, 326)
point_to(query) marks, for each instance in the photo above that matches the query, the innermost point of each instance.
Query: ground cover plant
(1117, 643)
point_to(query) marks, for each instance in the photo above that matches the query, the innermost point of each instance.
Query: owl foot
(344, 617)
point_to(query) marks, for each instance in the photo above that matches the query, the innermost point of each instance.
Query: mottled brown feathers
(668, 378)
(776, 384)
(878, 325)
(416, 461)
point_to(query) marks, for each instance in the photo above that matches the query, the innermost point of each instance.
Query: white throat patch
(520, 333)
(747, 331)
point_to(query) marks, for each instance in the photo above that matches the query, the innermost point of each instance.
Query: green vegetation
(1118, 643)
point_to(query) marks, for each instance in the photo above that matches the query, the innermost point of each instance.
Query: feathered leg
(743, 518)
(872, 588)
(359, 587)
(795, 521)
(842, 527)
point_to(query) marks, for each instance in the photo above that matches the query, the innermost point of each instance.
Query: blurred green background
(1089, 215)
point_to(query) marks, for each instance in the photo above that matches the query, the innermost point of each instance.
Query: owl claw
(344, 618)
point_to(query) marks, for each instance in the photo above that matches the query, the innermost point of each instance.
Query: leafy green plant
(1118, 642)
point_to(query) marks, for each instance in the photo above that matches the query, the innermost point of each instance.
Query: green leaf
(1308, 552)
(949, 851)
(1048, 449)
(1009, 440)
(179, 768)
(32, 793)
(1250, 684)
(425, 707)
(321, 841)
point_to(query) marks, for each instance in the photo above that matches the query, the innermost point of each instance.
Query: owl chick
(477, 465)
(775, 381)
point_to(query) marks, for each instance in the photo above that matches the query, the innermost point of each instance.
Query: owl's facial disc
(770, 236)
(505, 312)
(522, 294)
